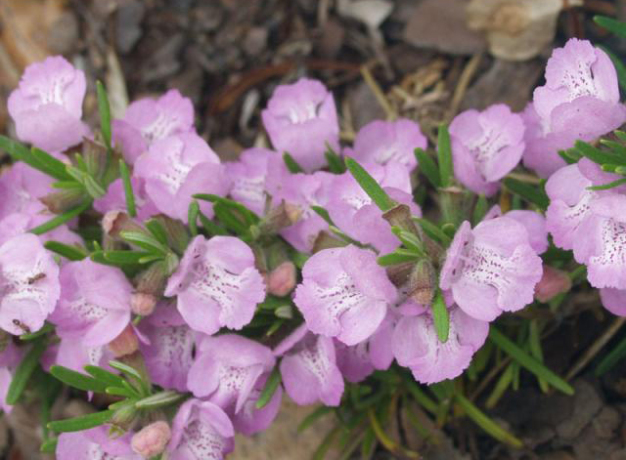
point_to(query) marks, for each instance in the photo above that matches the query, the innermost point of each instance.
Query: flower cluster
(305, 266)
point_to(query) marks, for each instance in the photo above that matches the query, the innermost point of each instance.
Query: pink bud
(142, 304)
(282, 279)
(151, 440)
(125, 343)
(552, 283)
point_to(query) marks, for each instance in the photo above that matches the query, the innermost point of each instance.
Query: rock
(440, 24)
(372, 13)
(516, 30)
(128, 25)
(586, 404)
(506, 82)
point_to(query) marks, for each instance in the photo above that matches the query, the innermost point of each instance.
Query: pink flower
(282, 280)
(416, 345)
(580, 100)
(29, 284)
(94, 304)
(248, 178)
(200, 430)
(20, 189)
(344, 294)
(169, 353)
(552, 283)
(149, 120)
(309, 369)
(47, 105)
(301, 119)
(217, 284)
(250, 420)
(94, 444)
(491, 269)
(534, 222)
(115, 199)
(486, 146)
(175, 168)
(353, 211)
(385, 142)
(614, 300)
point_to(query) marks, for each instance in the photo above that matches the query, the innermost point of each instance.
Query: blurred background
(422, 59)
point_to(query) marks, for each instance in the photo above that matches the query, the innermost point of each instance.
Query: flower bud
(177, 235)
(552, 283)
(279, 217)
(282, 279)
(125, 343)
(152, 282)
(64, 200)
(115, 222)
(422, 283)
(324, 240)
(151, 440)
(143, 304)
(124, 417)
(400, 216)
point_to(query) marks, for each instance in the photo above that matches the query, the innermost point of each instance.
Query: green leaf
(528, 362)
(248, 216)
(77, 379)
(162, 399)
(428, 167)
(47, 327)
(24, 371)
(292, 165)
(105, 114)
(127, 257)
(49, 446)
(17, 151)
(444, 153)
(532, 193)
(419, 395)
(610, 185)
(311, 418)
(369, 185)
(612, 25)
(410, 240)
(616, 355)
(433, 231)
(50, 165)
(158, 231)
(230, 220)
(192, 217)
(128, 189)
(570, 156)
(335, 163)
(145, 241)
(323, 213)
(211, 227)
(81, 423)
(142, 385)
(594, 154)
(482, 420)
(441, 319)
(64, 250)
(105, 376)
(480, 209)
(123, 391)
(273, 381)
(61, 219)
(399, 256)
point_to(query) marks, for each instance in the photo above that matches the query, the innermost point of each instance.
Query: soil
(229, 55)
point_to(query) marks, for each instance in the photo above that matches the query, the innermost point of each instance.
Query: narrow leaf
(397, 257)
(104, 110)
(158, 231)
(428, 167)
(49, 446)
(162, 399)
(273, 381)
(441, 319)
(610, 185)
(192, 217)
(433, 231)
(145, 241)
(77, 380)
(335, 163)
(24, 371)
(52, 166)
(126, 257)
(69, 252)
(444, 153)
(81, 423)
(105, 376)
(61, 219)
(594, 154)
(528, 362)
(128, 189)
(612, 25)
(616, 355)
(369, 185)
(292, 165)
(480, 209)
(531, 193)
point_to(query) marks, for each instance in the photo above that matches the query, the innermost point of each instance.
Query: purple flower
(309, 369)
(491, 269)
(29, 284)
(534, 223)
(71, 353)
(486, 146)
(614, 300)
(248, 178)
(217, 284)
(200, 430)
(580, 100)
(384, 142)
(250, 420)
(353, 211)
(226, 369)
(149, 120)
(94, 304)
(416, 345)
(94, 444)
(600, 242)
(569, 204)
(20, 189)
(301, 119)
(169, 353)
(175, 168)
(354, 362)
(344, 294)
(47, 105)
(10, 357)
